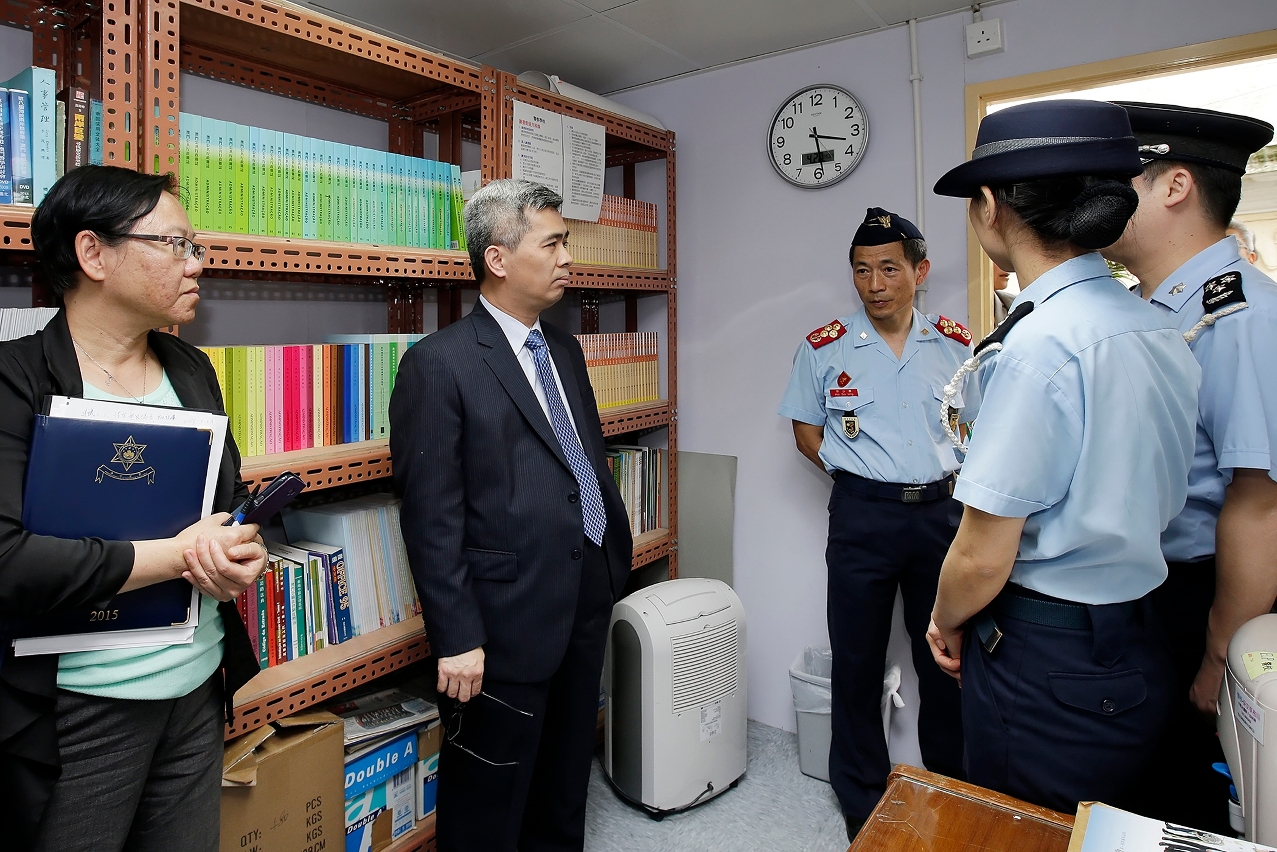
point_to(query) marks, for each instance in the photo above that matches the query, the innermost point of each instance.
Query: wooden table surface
(925, 812)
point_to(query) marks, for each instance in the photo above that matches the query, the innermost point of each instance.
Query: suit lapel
(500, 359)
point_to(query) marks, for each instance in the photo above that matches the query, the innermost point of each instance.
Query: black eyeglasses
(452, 729)
(182, 247)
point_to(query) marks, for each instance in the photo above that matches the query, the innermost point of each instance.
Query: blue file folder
(119, 482)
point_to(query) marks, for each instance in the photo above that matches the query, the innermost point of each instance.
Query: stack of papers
(373, 719)
(1100, 828)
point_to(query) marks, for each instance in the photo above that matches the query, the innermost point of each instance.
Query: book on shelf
(624, 369)
(378, 582)
(639, 473)
(6, 171)
(252, 180)
(73, 127)
(33, 153)
(298, 397)
(381, 715)
(19, 322)
(627, 234)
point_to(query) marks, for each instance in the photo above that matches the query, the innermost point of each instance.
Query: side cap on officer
(880, 228)
(1187, 134)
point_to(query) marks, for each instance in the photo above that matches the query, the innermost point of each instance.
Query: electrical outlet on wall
(984, 37)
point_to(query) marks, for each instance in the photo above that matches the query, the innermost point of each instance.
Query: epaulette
(1221, 291)
(826, 334)
(953, 330)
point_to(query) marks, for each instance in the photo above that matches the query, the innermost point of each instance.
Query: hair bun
(1100, 214)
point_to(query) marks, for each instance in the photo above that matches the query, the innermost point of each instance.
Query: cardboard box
(281, 785)
(379, 794)
(429, 740)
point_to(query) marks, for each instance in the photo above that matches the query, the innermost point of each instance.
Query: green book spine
(393, 367)
(392, 199)
(441, 211)
(239, 158)
(324, 209)
(359, 174)
(223, 178)
(281, 186)
(297, 188)
(310, 197)
(458, 223)
(208, 174)
(341, 198)
(259, 397)
(190, 177)
(297, 573)
(401, 200)
(252, 416)
(411, 203)
(239, 395)
(254, 181)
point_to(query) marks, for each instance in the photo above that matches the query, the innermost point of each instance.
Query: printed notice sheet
(538, 146)
(566, 154)
(1100, 828)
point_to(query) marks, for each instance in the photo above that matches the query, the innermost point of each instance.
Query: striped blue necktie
(592, 511)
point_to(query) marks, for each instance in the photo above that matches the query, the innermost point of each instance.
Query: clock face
(818, 136)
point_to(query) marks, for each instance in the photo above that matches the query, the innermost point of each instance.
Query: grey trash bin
(809, 682)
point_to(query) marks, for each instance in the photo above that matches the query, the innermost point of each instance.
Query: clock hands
(815, 135)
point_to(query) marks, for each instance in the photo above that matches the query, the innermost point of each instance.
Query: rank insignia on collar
(1221, 291)
(850, 426)
(1177, 289)
(843, 379)
(826, 335)
(953, 330)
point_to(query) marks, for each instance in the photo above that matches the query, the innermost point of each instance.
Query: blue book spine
(364, 389)
(95, 132)
(6, 178)
(20, 146)
(341, 595)
(41, 85)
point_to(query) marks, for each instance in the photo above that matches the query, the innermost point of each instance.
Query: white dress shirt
(517, 334)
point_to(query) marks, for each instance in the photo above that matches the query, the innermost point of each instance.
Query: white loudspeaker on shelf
(1247, 725)
(675, 684)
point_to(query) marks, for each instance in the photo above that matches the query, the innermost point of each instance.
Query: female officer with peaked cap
(1043, 607)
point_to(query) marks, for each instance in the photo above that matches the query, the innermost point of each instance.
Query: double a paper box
(281, 786)
(380, 800)
(429, 738)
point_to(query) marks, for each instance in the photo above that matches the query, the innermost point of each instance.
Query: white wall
(761, 263)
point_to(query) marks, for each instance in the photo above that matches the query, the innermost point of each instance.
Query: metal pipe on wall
(915, 80)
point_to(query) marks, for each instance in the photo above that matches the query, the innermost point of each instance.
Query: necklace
(110, 378)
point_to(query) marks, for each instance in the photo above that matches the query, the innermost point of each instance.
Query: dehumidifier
(674, 679)
(1247, 724)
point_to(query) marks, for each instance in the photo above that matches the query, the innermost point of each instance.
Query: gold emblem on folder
(127, 454)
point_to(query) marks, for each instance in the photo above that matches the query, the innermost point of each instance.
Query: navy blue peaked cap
(1046, 139)
(1222, 139)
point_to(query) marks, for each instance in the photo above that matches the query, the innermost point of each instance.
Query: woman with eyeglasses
(110, 750)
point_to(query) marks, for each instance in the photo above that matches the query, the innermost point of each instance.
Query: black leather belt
(928, 493)
(1026, 605)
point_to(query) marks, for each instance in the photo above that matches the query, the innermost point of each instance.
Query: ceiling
(607, 45)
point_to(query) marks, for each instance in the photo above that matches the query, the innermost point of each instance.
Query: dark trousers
(515, 762)
(143, 776)
(1056, 715)
(877, 545)
(1180, 785)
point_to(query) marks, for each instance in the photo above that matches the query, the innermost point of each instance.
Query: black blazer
(40, 574)
(491, 511)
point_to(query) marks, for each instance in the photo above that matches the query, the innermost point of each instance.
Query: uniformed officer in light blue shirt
(1222, 549)
(864, 398)
(1078, 460)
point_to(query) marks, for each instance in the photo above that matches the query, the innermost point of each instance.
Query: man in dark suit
(516, 535)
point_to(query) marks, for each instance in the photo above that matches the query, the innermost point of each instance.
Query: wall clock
(818, 136)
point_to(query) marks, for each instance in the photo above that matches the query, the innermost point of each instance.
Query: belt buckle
(912, 494)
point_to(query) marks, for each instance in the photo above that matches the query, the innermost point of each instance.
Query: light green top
(168, 671)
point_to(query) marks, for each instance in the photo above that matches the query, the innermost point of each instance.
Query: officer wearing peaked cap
(1043, 601)
(1221, 549)
(863, 397)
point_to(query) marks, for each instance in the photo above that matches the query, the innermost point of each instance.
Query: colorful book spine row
(640, 475)
(43, 133)
(624, 368)
(314, 594)
(625, 235)
(284, 398)
(250, 180)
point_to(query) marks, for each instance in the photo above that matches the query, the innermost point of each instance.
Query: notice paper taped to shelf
(563, 153)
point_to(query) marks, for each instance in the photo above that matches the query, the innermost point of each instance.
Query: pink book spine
(306, 422)
(273, 412)
(290, 398)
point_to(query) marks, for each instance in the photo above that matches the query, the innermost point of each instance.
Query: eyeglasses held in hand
(182, 247)
(455, 724)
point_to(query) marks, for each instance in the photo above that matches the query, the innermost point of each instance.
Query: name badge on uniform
(850, 426)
